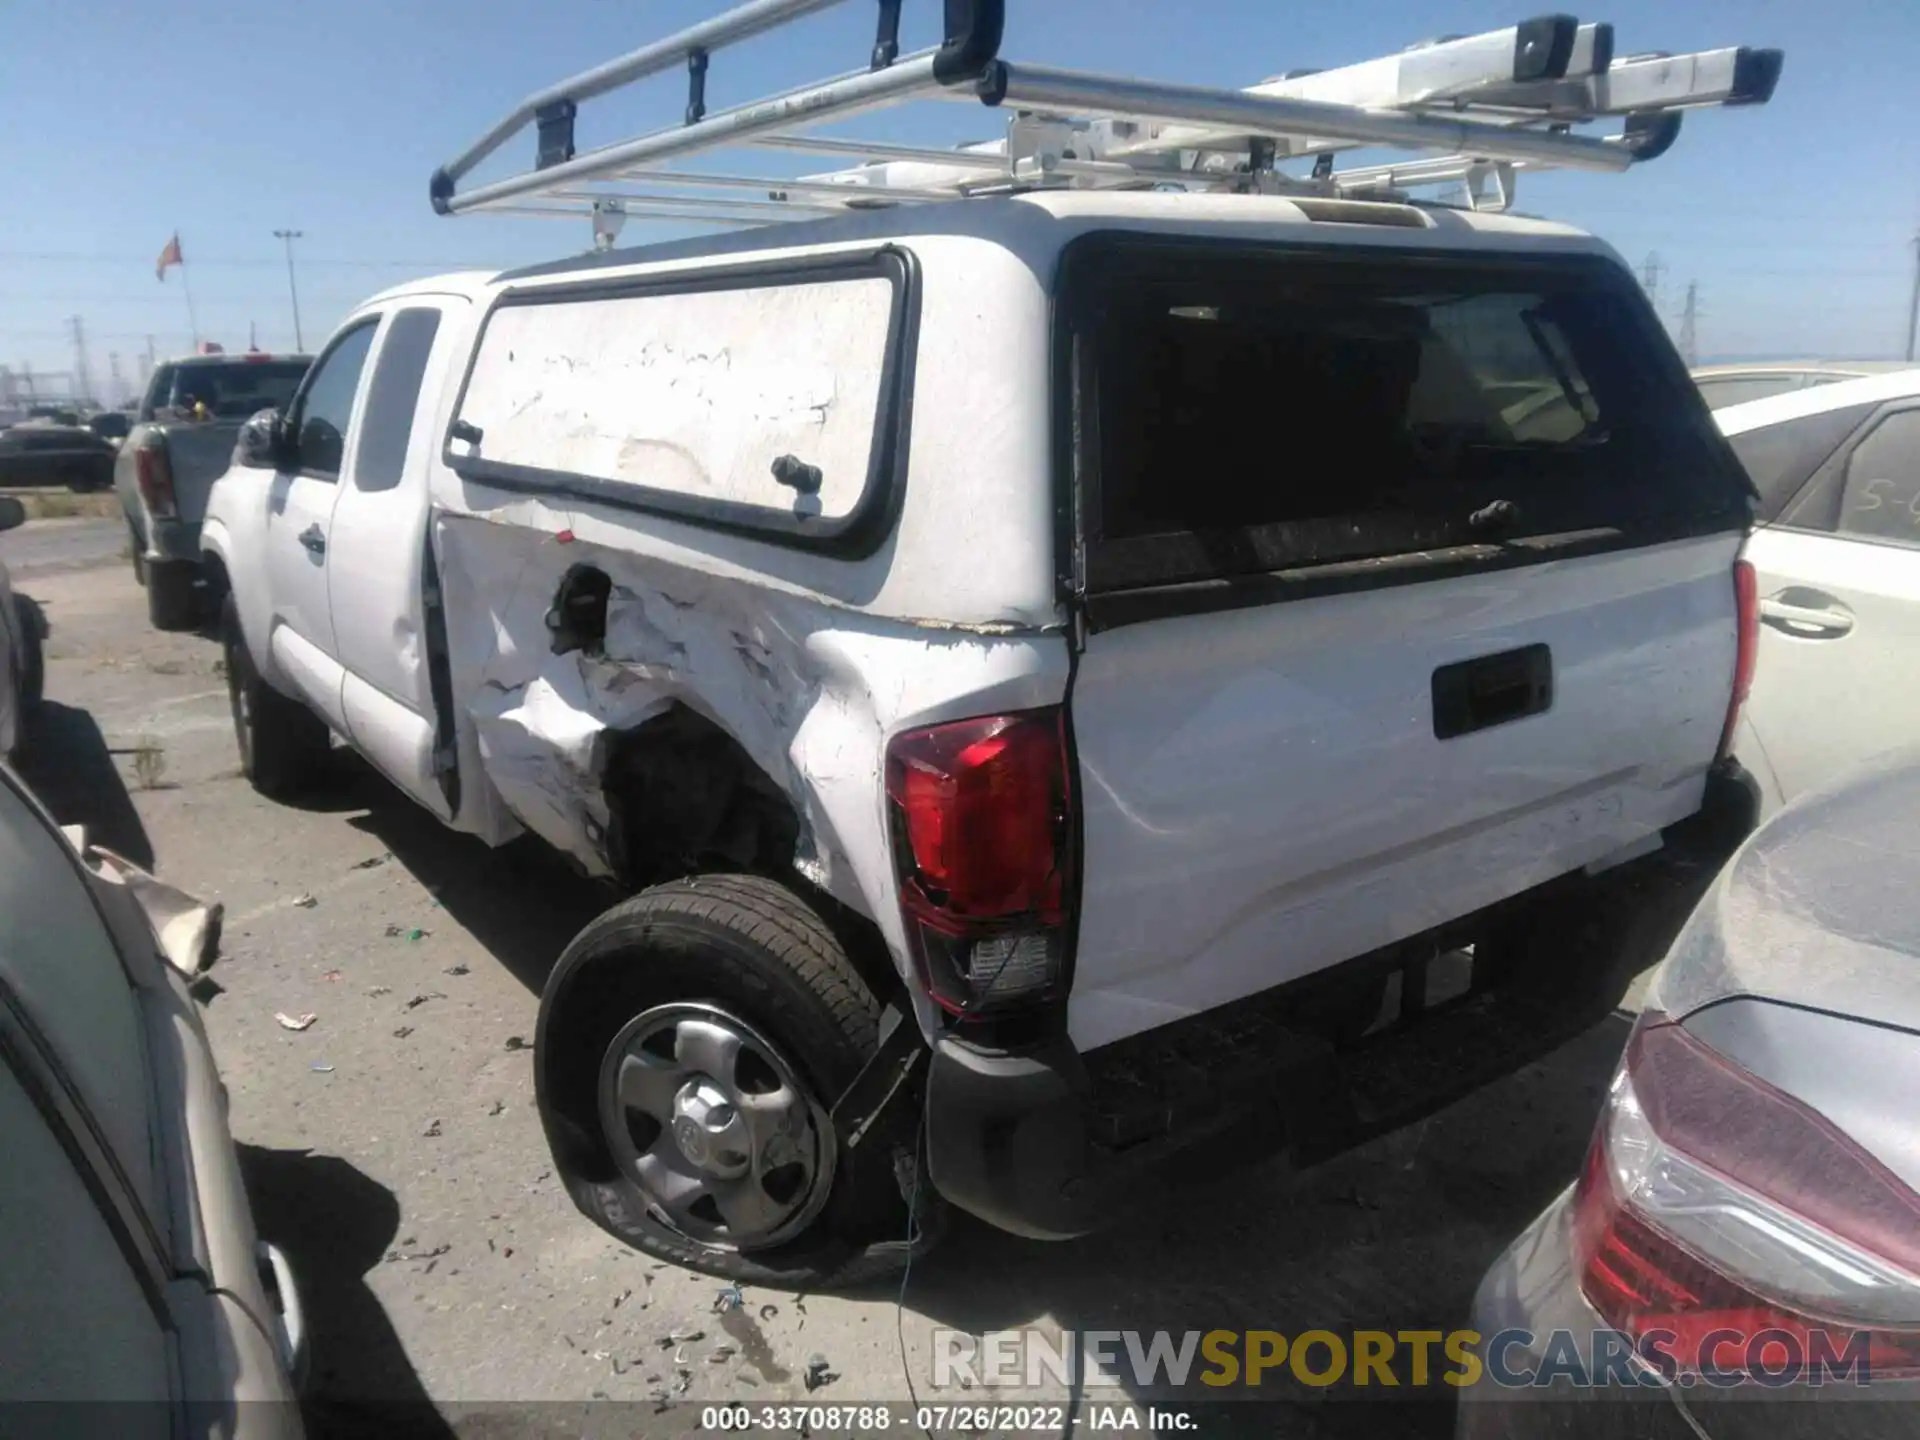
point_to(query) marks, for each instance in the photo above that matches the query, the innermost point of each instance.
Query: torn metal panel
(806, 691)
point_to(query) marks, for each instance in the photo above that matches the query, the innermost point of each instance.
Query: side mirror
(258, 447)
(12, 513)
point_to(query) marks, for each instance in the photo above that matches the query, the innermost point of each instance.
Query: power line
(289, 236)
(1913, 305)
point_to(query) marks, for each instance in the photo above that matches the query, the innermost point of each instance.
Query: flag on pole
(169, 256)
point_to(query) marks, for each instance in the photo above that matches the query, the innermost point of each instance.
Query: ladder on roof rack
(1484, 107)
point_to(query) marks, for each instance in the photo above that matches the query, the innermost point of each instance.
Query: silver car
(138, 1300)
(1747, 1225)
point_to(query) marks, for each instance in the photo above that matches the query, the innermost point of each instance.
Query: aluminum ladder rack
(1475, 111)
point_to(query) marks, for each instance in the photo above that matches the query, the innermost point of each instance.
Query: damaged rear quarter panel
(810, 689)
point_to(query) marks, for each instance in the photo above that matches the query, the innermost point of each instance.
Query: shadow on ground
(522, 901)
(335, 1225)
(68, 765)
(1392, 1236)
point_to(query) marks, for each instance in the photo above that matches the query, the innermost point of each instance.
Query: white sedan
(1836, 558)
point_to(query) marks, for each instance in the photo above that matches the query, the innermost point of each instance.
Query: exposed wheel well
(684, 798)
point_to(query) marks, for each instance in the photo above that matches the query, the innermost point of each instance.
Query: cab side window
(326, 403)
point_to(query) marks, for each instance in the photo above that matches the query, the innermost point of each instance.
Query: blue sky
(127, 121)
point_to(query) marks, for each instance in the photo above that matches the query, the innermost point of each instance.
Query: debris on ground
(379, 990)
(432, 1132)
(517, 1042)
(406, 932)
(304, 901)
(499, 1108)
(403, 1032)
(401, 1256)
(333, 976)
(684, 1382)
(720, 1354)
(818, 1373)
(622, 1298)
(685, 1337)
(729, 1298)
(295, 1022)
(768, 1311)
(372, 862)
(322, 1069)
(417, 1001)
(455, 970)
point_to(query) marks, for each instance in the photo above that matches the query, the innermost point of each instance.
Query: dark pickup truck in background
(181, 443)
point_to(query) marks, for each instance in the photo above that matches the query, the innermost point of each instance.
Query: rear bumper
(1047, 1143)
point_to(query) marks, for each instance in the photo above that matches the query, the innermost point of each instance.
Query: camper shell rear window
(767, 399)
(1347, 417)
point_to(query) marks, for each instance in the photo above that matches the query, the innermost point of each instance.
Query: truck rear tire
(691, 1042)
(173, 595)
(284, 747)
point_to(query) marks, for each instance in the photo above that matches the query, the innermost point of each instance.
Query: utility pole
(1650, 277)
(83, 382)
(1689, 324)
(1913, 305)
(289, 236)
(118, 387)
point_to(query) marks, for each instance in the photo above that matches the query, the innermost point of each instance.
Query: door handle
(1806, 622)
(315, 539)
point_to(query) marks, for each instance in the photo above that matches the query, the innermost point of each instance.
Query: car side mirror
(258, 447)
(12, 513)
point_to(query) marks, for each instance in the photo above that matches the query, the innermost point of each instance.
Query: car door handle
(1806, 622)
(315, 539)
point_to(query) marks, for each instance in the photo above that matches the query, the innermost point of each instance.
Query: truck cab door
(300, 519)
(384, 593)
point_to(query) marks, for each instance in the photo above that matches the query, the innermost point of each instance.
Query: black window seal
(1077, 468)
(853, 536)
(297, 407)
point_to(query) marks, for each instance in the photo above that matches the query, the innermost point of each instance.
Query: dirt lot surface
(394, 1150)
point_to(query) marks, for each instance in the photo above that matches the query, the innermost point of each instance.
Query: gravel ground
(394, 1150)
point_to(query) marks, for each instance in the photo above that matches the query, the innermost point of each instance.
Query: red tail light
(983, 840)
(1746, 594)
(153, 476)
(1754, 1233)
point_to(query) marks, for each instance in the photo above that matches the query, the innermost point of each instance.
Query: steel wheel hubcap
(709, 1119)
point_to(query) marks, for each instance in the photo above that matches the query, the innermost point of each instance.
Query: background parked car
(22, 670)
(133, 1271)
(110, 425)
(183, 442)
(1723, 385)
(1836, 560)
(46, 452)
(1756, 1167)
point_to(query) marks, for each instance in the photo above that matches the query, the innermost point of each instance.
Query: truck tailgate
(199, 455)
(1265, 793)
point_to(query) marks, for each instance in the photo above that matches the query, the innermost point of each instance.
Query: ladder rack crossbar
(1472, 110)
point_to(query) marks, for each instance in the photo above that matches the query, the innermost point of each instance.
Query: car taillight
(1743, 1224)
(1746, 595)
(983, 840)
(153, 475)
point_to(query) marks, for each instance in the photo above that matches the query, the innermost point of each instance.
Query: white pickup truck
(1059, 676)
